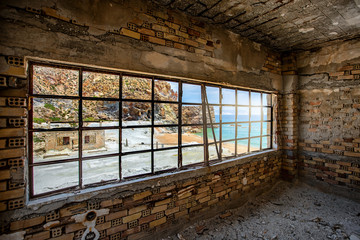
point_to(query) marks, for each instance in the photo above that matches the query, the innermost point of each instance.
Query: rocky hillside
(64, 110)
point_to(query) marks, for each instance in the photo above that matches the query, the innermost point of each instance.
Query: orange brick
(12, 112)
(141, 195)
(103, 226)
(205, 199)
(191, 43)
(12, 153)
(3, 206)
(129, 33)
(173, 210)
(157, 222)
(146, 31)
(116, 229)
(4, 174)
(167, 188)
(74, 227)
(3, 186)
(26, 223)
(110, 202)
(147, 219)
(12, 132)
(131, 217)
(180, 46)
(159, 209)
(65, 237)
(352, 154)
(39, 236)
(157, 40)
(137, 209)
(162, 202)
(115, 215)
(12, 194)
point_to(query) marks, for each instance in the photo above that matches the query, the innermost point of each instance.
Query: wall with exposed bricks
(317, 112)
(138, 37)
(329, 116)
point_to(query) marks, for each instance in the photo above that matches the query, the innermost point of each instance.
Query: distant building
(63, 140)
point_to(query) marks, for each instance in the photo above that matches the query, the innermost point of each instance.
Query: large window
(90, 127)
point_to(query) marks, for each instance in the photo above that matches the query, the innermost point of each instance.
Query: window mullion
(152, 123)
(205, 138)
(80, 129)
(179, 127)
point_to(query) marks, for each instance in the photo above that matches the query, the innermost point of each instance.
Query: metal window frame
(205, 106)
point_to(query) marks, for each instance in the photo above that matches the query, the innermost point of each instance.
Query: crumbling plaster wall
(328, 88)
(97, 33)
(233, 60)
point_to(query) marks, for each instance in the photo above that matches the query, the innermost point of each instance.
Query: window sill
(129, 187)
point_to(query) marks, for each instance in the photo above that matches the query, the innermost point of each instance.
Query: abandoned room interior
(178, 119)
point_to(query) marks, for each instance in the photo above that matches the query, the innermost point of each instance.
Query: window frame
(80, 128)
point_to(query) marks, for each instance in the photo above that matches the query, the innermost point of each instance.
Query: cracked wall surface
(282, 24)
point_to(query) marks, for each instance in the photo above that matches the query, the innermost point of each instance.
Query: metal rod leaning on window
(205, 139)
(212, 126)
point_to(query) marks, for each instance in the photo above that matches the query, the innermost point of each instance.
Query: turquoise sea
(228, 131)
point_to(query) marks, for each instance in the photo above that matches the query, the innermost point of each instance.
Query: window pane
(265, 142)
(228, 114)
(243, 114)
(192, 135)
(100, 113)
(254, 144)
(212, 152)
(243, 130)
(164, 160)
(255, 114)
(136, 113)
(55, 81)
(55, 113)
(166, 113)
(135, 164)
(100, 85)
(136, 139)
(213, 95)
(266, 113)
(165, 137)
(215, 114)
(55, 176)
(210, 134)
(191, 155)
(228, 96)
(228, 149)
(266, 99)
(191, 114)
(50, 146)
(266, 128)
(166, 90)
(136, 88)
(242, 146)
(99, 170)
(243, 97)
(191, 93)
(100, 142)
(228, 131)
(255, 99)
(255, 129)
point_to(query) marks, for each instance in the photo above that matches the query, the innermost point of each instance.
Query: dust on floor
(289, 211)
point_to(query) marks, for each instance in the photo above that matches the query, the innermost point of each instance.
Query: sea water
(228, 130)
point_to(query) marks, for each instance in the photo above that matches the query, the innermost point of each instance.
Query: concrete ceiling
(281, 24)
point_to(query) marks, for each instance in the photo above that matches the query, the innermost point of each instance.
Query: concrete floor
(289, 211)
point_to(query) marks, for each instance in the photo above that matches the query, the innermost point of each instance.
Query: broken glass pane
(100, 113)
(166, 90)
(136, 88)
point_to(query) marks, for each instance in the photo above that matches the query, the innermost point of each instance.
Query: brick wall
(329, 126)
(150, 212)
(13, 112)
